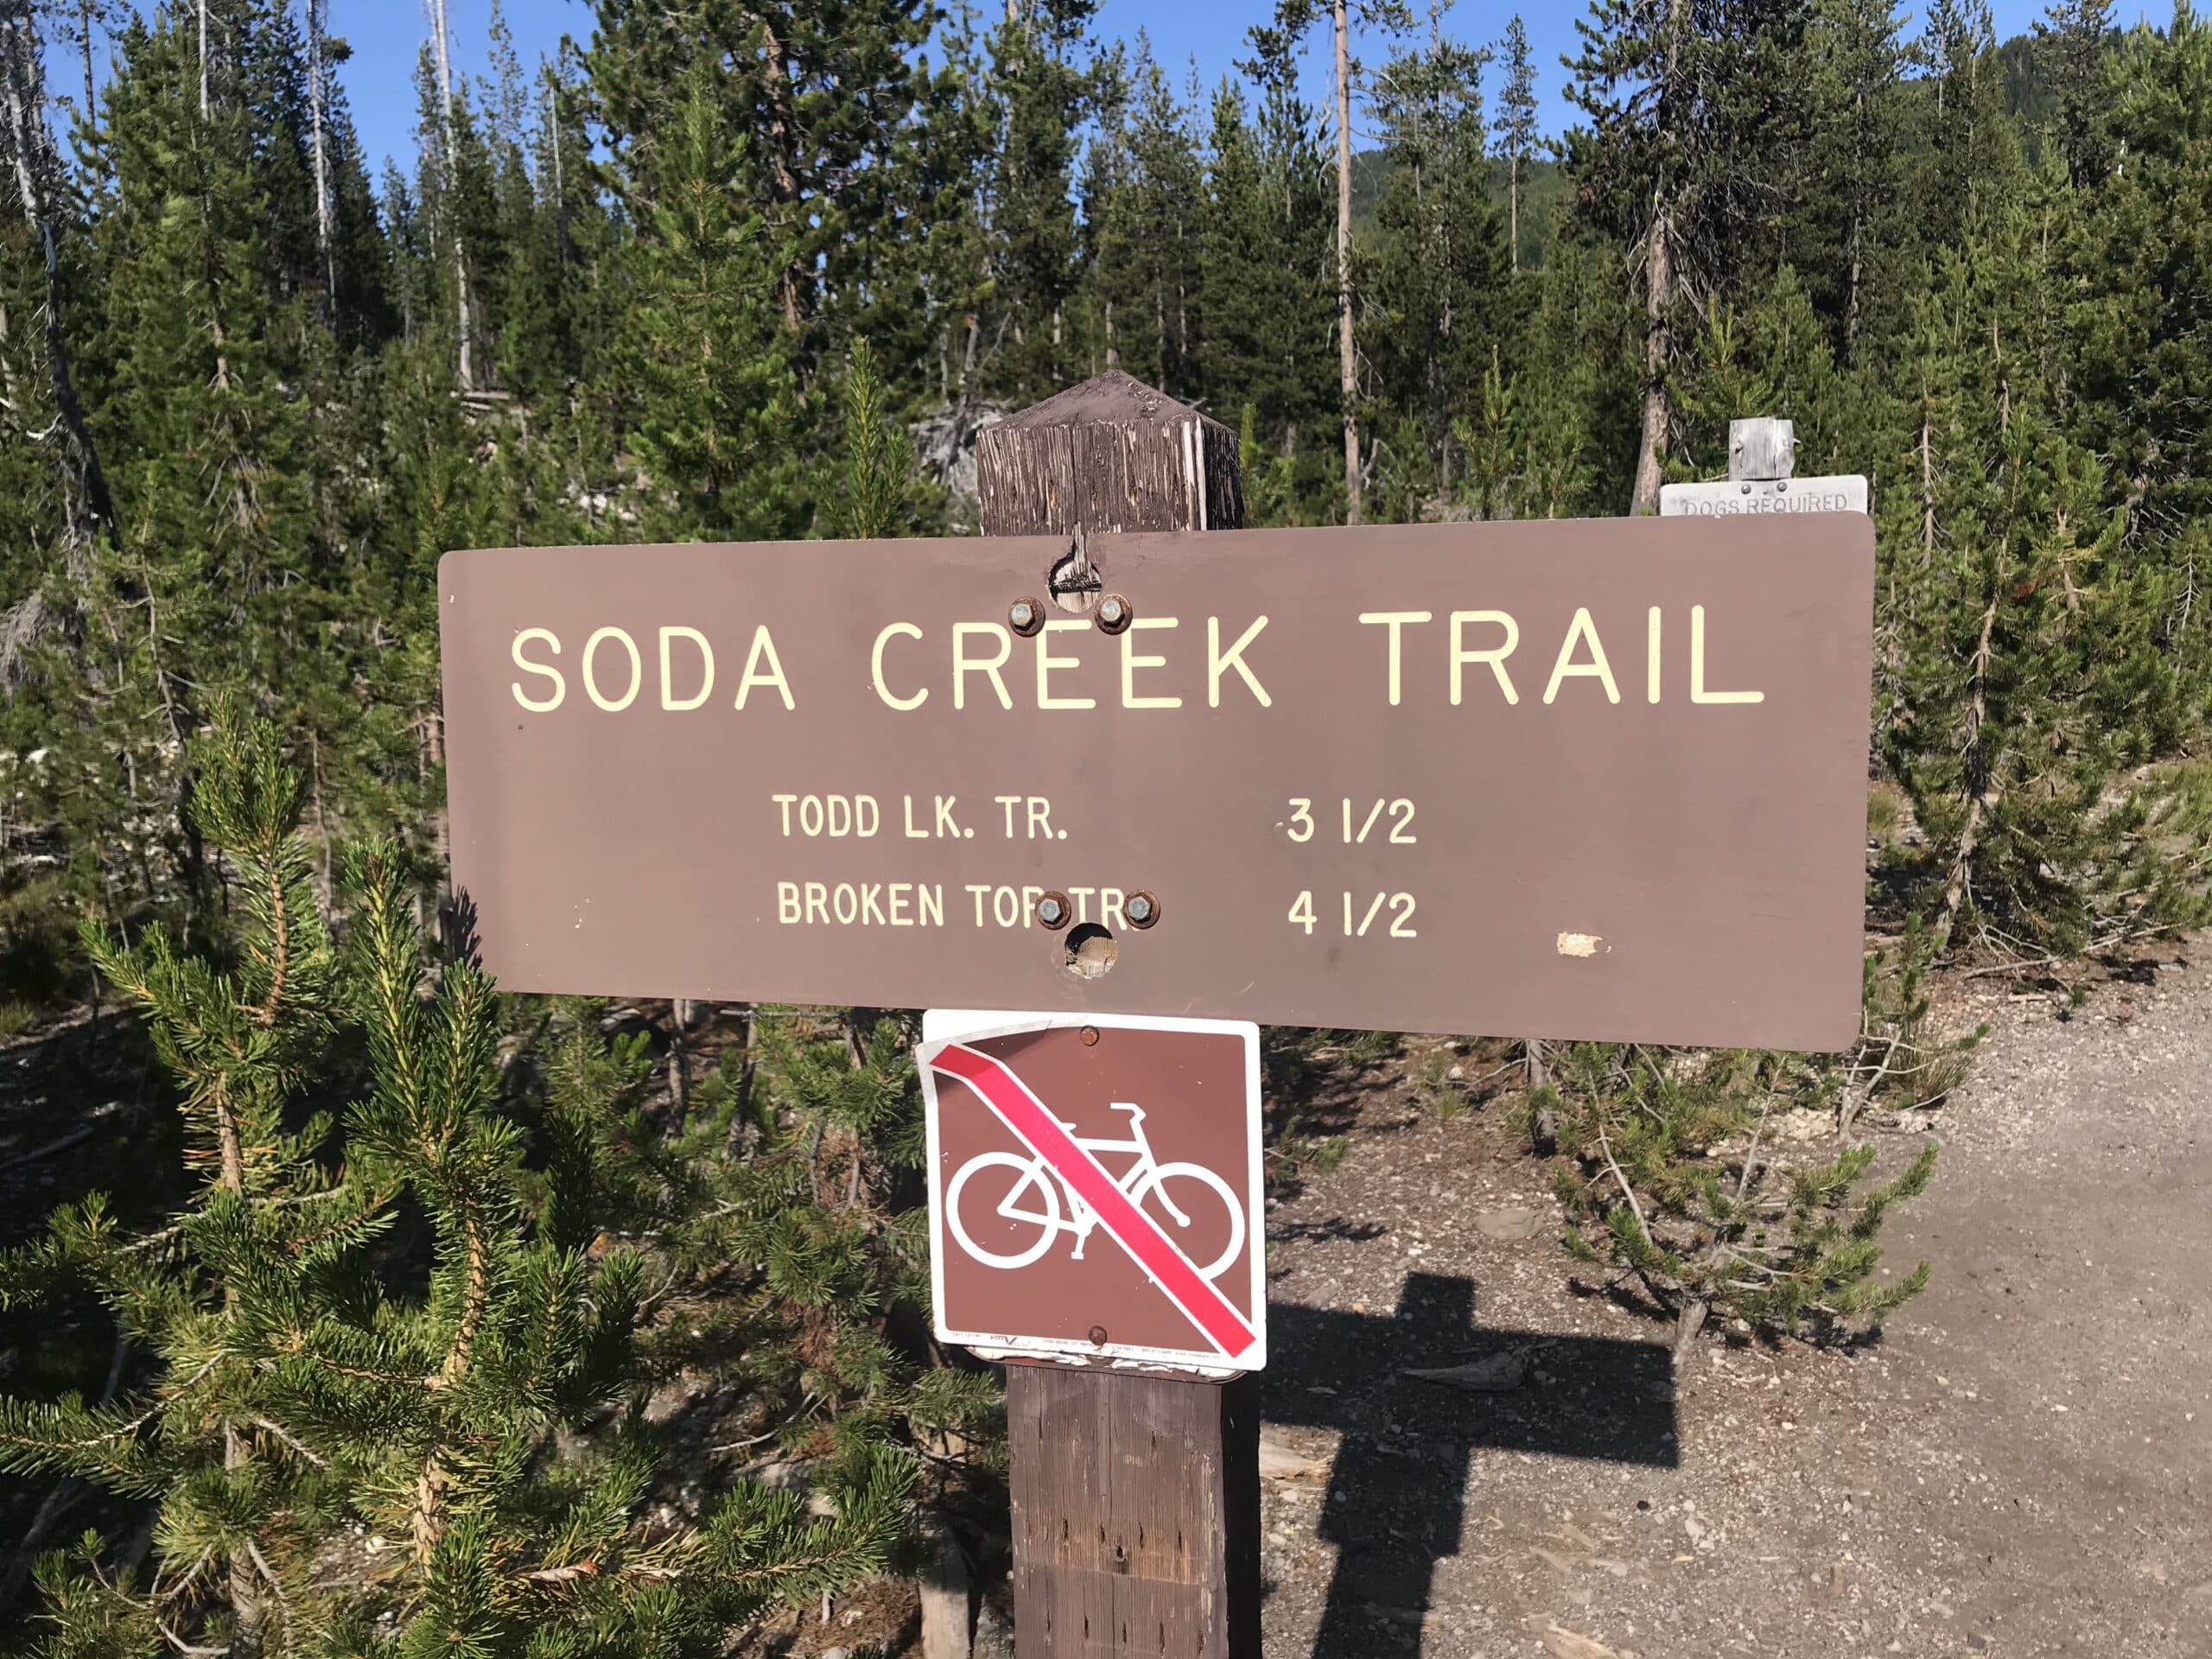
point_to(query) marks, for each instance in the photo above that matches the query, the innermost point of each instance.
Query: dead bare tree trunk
(87, 19)
(30, 150)
(203, 59)
(1659, 290)
(442, 52)
(560, 190)
(1979, 788)
(318, 18)
(1513, 206)
(679, 1061)
(1658, 351)
(1348, 356)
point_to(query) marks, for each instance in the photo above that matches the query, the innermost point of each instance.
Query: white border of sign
(965, 1025)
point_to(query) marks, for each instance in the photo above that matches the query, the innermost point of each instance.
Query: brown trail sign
(1572, 779)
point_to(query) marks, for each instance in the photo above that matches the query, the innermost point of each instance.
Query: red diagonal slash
(1133, 1230)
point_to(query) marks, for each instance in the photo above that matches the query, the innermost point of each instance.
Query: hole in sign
(1075, 582)
(1090, 951)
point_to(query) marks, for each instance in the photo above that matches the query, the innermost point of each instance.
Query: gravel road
(2022, 1467)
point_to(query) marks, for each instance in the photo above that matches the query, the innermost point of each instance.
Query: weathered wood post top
(1109, 455)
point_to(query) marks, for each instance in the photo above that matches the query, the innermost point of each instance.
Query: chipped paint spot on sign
(1579, 944)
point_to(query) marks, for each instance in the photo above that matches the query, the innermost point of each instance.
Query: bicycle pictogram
(1039, 1197)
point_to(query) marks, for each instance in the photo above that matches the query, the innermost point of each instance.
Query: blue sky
(386, 35)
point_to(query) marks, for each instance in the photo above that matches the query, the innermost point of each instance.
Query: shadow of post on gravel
(1396, 1493)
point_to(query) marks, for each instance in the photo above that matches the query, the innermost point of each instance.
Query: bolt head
(1049, 912)
(1098, 1336)
(1023, 613)
(1110, 611)
(1140, 909)
(1089, 1035)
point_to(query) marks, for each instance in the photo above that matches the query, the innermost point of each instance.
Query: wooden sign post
(1136, 1497)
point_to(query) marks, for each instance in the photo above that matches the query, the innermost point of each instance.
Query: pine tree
(1268, 277)
(1852, 239)
(2143, 366)
(1695, 113)
(938, 270)
(1770, 357)
(2036, 704)
(1440, 264)
(714, 409)
(39, 253)
(1969, 161)
(1278, 42)
(1516, 125)
(212, 581)
(815, 97)
(1143, 222)
(313, 1365)
(1045, 96)
(876, 495)
(1671, 1175)
(2072, 51)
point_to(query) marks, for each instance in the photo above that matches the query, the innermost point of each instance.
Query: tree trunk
(22, 85)
(1658, 351)
(247, 1619)
(245, 1589)
(1689, 1321)
(1858, 274)
(85, 22)
(1659, 284)
(1513, 206)
(317, 91)
(560, 190)
(782, 173)
(441, 50)
(679, 1063)
(1348, 357)
(1927, 487)
(1979, 787)
(740, 1140)
(203, 59)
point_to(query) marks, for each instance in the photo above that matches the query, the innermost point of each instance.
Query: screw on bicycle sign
(1095, 1188)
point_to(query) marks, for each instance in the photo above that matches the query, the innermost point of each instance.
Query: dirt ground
(2023, 1465)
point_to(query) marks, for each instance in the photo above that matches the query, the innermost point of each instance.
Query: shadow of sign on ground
(1396, 1494)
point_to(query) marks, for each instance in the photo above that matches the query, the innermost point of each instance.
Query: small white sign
(1724, 497)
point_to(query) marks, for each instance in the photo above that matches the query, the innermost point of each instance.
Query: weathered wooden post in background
(1136, 1497)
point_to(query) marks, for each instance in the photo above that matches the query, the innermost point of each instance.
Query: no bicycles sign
(1095, 1187)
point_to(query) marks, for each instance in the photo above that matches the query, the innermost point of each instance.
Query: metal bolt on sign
(1114, 613)
(1025, 616)
(1054, 910)
(1141, 908)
